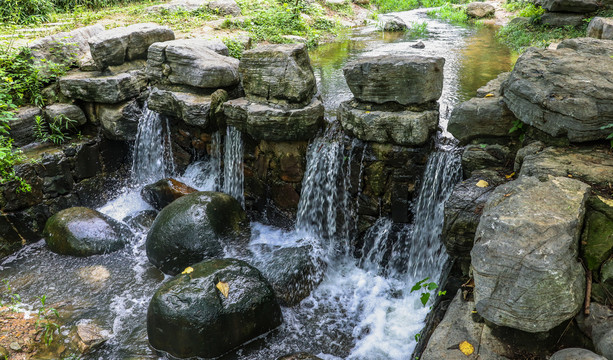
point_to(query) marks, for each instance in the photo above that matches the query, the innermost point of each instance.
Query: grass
(518, 37)
(450, 13)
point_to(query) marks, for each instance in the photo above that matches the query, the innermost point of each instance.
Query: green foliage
(450, 13)
(45, 320)
(25, 11)
(425, 287)
(55, 131)
(417, 30)
(519, 36)
(236, 47)
(386, 6)
(610, 137)
(8, 297)
(518, 127)
(524, 8)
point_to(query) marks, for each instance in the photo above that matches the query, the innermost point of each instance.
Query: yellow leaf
(489, 95)
(482, 183)
(188, 270)
(224, 288)
(510, 175)
(466, 348)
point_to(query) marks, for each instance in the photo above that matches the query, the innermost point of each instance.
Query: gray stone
(484, 156)
(576, 6)
(64, 48)
(525, 257)
(406, 79)
(493, 87)
(530, 149)
(570, 97)
(480, 119)
(479, 10)
(99, 88)
(599, 327)
(89, 337)
(118, 45)
(601, 28)
(119, 121)
(193, 62)
(267, 122)
(192, 108)
(406, 128)
(299, 356)
(561, 19)
(392, 23)
(72, 112)
(22, 126)
(575, 354)
(177, 5)
(591, 164)
(278, 74)
(224, 7)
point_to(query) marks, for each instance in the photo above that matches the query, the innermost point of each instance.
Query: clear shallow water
(363, 309)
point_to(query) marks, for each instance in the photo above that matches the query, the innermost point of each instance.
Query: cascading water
(233, 176)
(205, 175)
(148, 164)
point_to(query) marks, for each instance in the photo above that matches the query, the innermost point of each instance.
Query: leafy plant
(235, 47)
(45, 320)
(25, 11)
(519, 37)
(610, 137)
(417, 29)
(9, 296)
(55, 131)
(450, 13)
(426, 287)
(518, 127)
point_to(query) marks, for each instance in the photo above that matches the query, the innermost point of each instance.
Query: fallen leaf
(510, 175)
(188, 270)
(570, 175)
(466, 348)
(482, 183)
(507, 195)
(224, 288)
(489, 95)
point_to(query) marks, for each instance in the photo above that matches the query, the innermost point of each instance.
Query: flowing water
(150, 149)
(363, 308)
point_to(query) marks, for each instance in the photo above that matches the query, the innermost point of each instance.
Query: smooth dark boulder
(193, 228)
(80, 231)
(165, 191)
(189, 316)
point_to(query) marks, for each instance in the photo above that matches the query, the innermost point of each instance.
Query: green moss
(597, 239)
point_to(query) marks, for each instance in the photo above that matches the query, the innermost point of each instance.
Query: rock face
(479, 10)
(601, 28)
(575, 354)
(119, 121)
(479, 119)
(118, 45)
(561, 19)
(165, 191)
(278, 74)
(576, 6)
(406, 80)
(80, 231)
(493, 86)
(524, 260)
(71, 112)
(192, 62)
(189, 316)
(479, 157)
(21, 127)
(406, 128)
(191, 108)
(570, 96)
(98, 88)
(193, 228)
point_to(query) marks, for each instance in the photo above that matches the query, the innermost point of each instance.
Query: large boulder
(193, 228)
(406, 128)
(165, 191)
(561, 19)
(601, 28)
(99, 88)
(73, 113)
(80, 231)
(278, 74)
(525, 257)
(189, 316)
(193, 62)
(194, 109)
(274, 123)
(570, 97)
(119, 121)
(575, 6)
(479, 10)
(406, 80)
(480, 119)
(121, 44)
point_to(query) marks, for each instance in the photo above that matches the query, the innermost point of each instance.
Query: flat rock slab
(601, 28)
(480, 118)
(575, 6)
(98, 88)
(118, 45)
(592, 165)
(267, 122)
(561, 19)
(406, 128)
(406, 80)
(565, 92)
(193, 62)
(278, 74)
(192, 108)
(525, 257)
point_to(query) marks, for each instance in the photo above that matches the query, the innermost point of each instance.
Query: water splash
(148, 164)
(205, 175)
(233, 175)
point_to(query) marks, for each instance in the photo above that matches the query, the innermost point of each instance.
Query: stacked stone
(395, 99)
(280, 102)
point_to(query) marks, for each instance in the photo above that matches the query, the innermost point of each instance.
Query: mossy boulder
(80, 231)
(193, 228)
(189, 316)
(597, 237)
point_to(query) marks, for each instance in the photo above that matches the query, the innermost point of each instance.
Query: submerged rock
(80, 231)
(165, 191)
(525, 257)
(189, 316)
(193, 228)
(88, 337)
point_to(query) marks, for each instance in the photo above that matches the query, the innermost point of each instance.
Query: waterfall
(233, 165)
(148, 164)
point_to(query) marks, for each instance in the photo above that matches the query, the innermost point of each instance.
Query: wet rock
(481, 119)
(575, 6)
(165, 191)
(106, 89)
(590, 164)
(392, 23)
(575, 354)
(119, 121)
(525, 256)
(69, 111)
(299, 356)
(193, 228)
(193, 62)
(601, 28)
(561, 19)
(278, 74)
(599, 327)
(479, 10)
(64, 48)
(121, 44)
(569, 97)
(80, 231)
(405, 79)
(89, 337)
(493, 86)
(94, 275)
(224, 7)
(189, 316)
(419, 45)
(194, 109)
(274, 123)
(406, 128)
(483, 156)
(530, 149)
(21, 127)
(141, 220)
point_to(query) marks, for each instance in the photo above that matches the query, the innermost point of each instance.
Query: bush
(450, 13)
(25, 11)
(519, 36)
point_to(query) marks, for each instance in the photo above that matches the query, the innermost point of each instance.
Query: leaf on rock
(466, 348)
(489, 95)
(224, 288)
(482, 183)
(188, 270)
(510, 175)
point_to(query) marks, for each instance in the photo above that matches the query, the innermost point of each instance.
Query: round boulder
(80, 231)
(193, 228)
(192, 316)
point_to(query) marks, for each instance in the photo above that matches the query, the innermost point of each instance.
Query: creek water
(363, 309)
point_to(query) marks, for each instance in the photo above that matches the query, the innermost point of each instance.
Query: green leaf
(424, 298)
(432, 286)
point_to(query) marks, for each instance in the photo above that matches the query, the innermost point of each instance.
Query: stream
(364, 308)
